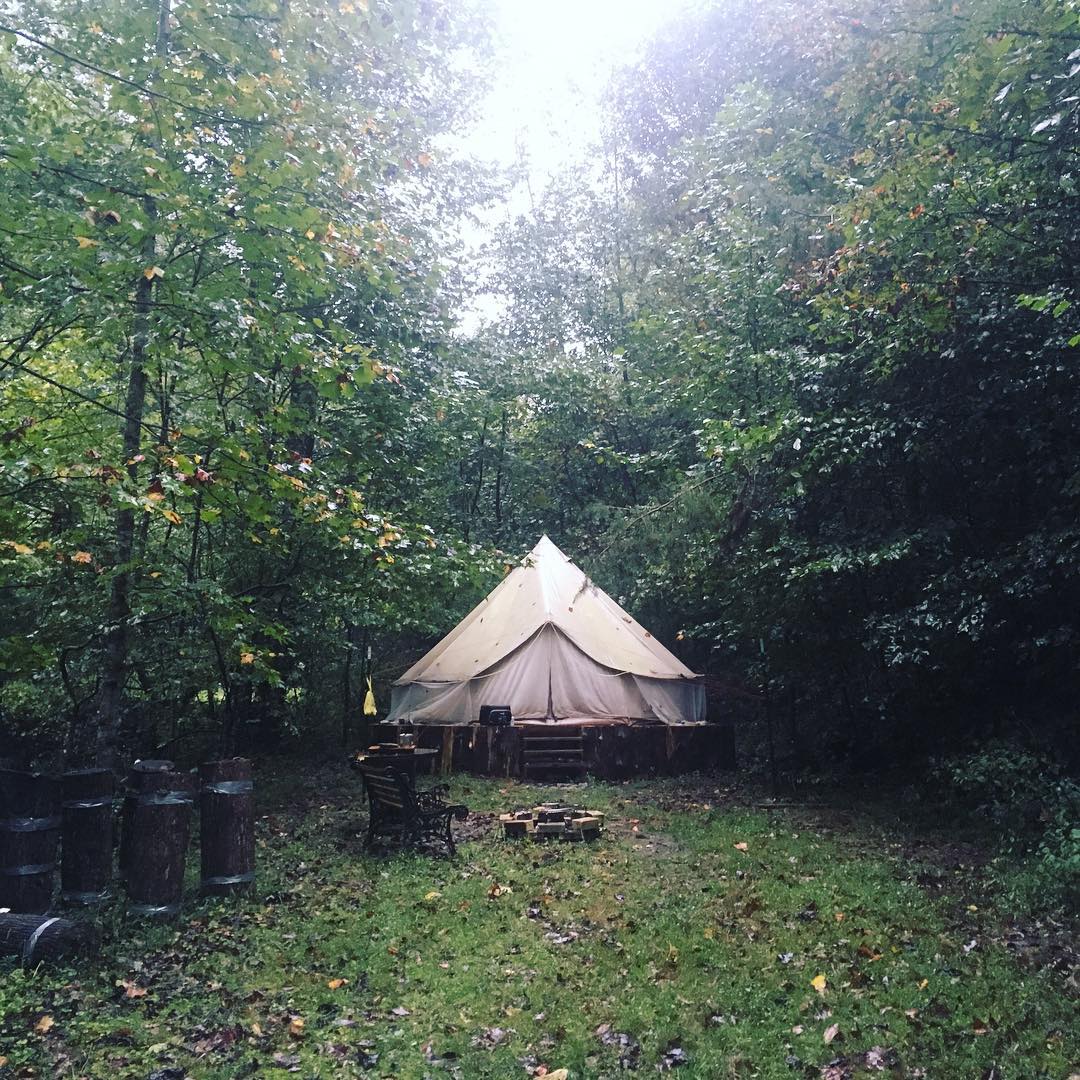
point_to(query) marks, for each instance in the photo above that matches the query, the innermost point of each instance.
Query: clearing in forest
(703, 934)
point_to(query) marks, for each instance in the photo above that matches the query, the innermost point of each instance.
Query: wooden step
(553, 766)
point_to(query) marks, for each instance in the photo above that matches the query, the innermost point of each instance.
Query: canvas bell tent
(556, 649)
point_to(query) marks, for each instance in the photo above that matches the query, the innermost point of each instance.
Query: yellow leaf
(276, 54)
(839, 916)
(434, 894)
(710, 933)
(256, 1029)
(86, 242)
(557, 1074)
(82, 557)
(19, 549)
(924, 984)
(818, 983)
(742, 846)
(310, 234)
(336, 984)
(296, 1027)
(238, 168)
(43, 1025)
(172, 516)
(247, 658)
(152, 272)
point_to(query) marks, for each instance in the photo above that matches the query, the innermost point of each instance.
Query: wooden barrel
(160, 829)
(87, 848)
(34, 938)
(141, 778)
(29, 831)
(227, 826)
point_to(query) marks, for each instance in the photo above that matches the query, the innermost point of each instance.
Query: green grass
(635, 951)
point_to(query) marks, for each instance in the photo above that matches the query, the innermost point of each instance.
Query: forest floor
(707, 933)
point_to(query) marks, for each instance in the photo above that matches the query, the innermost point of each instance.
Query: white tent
(556, 649)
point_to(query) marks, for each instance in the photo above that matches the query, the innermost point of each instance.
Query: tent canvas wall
(556, 649)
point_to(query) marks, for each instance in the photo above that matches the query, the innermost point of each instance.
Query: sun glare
(555, 58)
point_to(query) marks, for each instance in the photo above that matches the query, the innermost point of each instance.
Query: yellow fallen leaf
(43, 1025)
(256, 1029)
(557, 1074)
(296, 1027)
(171, 516)
(86, 242)
(742, 846)
(710, 933)
(336, 984)
(82, 557)
(924, 984)
(247, 658)
(818, 983)
(839, 916)
(434, 894)
(19, 549)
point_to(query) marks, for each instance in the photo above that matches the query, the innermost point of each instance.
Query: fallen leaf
(557, 1074)
(400, 1010)
(818, 983)
(43, 1025)
(152, 272)
(742, 846)
(337, 984)
(296, 1027)
(247, 658)
(133, 989)
(831, 1032)
(979, 1027)
(86, 242)
(434, 894)
(82, 557)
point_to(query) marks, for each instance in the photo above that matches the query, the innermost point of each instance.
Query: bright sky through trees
(554, 60)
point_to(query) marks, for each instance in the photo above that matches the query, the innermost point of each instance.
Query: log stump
(34, 938)
(227, 826)
(86, 863)
(160, 830)
(29, 832)
(141, 778)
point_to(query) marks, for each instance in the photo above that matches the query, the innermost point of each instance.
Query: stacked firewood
(547, 822)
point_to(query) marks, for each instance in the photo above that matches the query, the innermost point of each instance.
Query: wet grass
(702, 934)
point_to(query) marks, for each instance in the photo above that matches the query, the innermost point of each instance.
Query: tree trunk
(117, 643)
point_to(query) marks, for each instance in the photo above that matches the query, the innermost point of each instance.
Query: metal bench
(395, 806)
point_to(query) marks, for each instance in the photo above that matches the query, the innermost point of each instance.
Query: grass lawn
(813, 951)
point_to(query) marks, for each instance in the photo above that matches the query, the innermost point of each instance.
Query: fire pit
(549, 822)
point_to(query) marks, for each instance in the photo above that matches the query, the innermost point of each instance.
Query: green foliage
(1035, 809)
(216, 275)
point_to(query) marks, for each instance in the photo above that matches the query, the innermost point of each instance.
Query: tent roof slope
(546, 589)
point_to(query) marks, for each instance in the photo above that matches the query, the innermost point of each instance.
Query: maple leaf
(44, 1024)
(818, 983)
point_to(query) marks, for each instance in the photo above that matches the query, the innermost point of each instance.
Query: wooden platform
(548, 752)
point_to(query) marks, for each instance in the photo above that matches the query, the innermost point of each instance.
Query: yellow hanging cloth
(370, 708)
